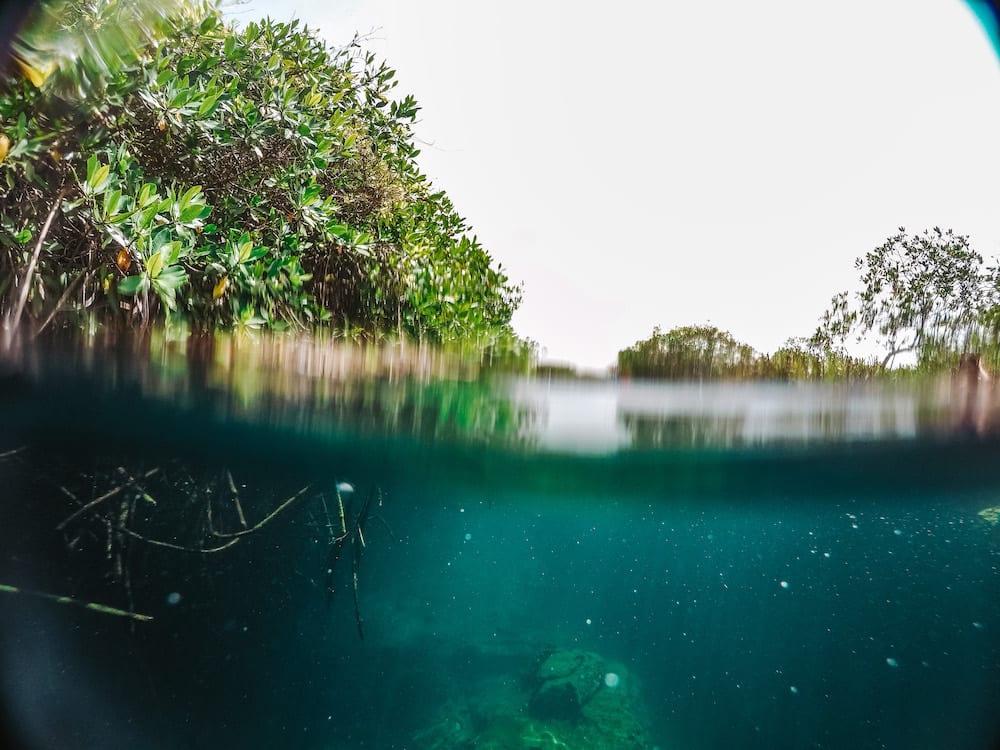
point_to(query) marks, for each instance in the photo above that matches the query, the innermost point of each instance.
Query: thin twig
(236, 499)
(106, 496)
(267, 519)
(387, 527)
(70, 288)
(94, 606)
(14, 452)
(326, 515)
(357, 604)
(208, 516)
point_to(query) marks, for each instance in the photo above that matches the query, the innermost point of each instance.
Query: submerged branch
(93, 606)
(266, 520)
(357, 606)
(179, 547)
(106, 496)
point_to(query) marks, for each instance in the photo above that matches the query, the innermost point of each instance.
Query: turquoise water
(724, 566)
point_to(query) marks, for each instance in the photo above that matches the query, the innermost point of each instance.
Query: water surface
(760, 566)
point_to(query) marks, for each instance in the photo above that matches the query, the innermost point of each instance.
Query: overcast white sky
(638, 164)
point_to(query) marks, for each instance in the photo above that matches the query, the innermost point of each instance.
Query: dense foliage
(228, 178)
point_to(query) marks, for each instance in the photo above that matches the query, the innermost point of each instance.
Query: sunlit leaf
(220, 287)
(38, 74)
(98, 179)
(123, 260)
(191, 214)
(154, 264)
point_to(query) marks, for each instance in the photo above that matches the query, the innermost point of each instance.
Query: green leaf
(161, 238)
(172, 251)
(130, 285)
(208, 105)
(190, 197)
(171, 277)
(167, 295)
(190, 214)
(97, 176)
(154, 264)
(111, 203)
(147, 194)
(244, 251)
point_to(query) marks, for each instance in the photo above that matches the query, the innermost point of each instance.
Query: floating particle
(795, 690)
(173, 598)
(612, 680)
(468, 537)
(826, 554)
(891, 662)
(784, 584)
(897, 532)
(978, 626)
(589, 621)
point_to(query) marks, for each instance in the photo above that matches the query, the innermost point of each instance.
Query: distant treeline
(708, 353)
(925, 297)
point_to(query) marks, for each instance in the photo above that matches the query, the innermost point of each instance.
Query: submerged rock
(564, 683)
(558, 700)
(565, 701)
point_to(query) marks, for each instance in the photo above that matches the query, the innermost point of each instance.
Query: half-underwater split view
(390, 376)
(339, 549)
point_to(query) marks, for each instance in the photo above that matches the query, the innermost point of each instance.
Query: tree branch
(14, 318)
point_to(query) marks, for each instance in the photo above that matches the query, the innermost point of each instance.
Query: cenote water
(345, 549)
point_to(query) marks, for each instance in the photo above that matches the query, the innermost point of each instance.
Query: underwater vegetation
(991, 514)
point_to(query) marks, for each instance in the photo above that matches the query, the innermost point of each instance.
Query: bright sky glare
(638, 164)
